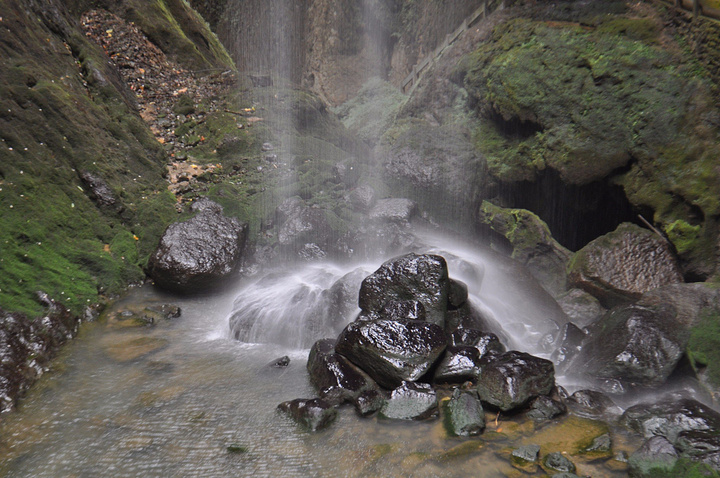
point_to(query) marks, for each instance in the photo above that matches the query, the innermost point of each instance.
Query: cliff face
(82, 192)
(331, 46)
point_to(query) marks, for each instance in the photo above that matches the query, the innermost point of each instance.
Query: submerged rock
(526, 457)
(622, 265)
(464, 414)
(410, 277)
(556, 462)
(392, 351)
(313, 414)
(198, 254)
(410, 401)
(510, 380)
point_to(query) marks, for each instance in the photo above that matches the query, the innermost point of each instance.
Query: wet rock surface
(419, 277)
(334, 376)
(510, 380)
(636, 345)
(622, 265)
(198, 254)
(392, 351)
(669, 418)
(464, 414)
(411, 401)
(459, 364)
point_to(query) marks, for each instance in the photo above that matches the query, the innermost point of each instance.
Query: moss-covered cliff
(82, 192)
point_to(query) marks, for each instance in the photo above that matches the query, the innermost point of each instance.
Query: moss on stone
(682, 235)
(703, 348)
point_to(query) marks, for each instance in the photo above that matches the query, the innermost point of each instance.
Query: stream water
(184, 398)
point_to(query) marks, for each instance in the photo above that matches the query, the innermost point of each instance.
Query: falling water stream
(184, 398)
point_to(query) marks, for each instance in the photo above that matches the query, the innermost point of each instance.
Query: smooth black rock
(485, 342)
(512, 379)
(411, 401)
(656, 455)
(669, 418)
(464, 414)
(392, 351)
(410, 277)
(334, 377)
(198, 254)
(369, 402)
(313, 414)
(557, 462)
(403, 310)
(459, 364)
(636, 345)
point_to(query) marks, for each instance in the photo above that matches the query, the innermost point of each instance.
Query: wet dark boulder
(569, 343)
(409, 277)
(581, 308)
(403, 310)
(545, 408)
(512, 379)
(669, 418)
(392, 351)
(485, 342)
(312, 414)
(459, 364)
(558, 463)
(341, 297)
(411, 401)
(369, 402)
(335, 377)
(198, 254)
(638, 346)
(622, 265)
(466, 316)
(457, 294)
(464, 414)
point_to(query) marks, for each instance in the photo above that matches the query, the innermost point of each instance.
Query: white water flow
(307, 302)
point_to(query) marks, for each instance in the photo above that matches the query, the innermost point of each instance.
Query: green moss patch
(704, 346)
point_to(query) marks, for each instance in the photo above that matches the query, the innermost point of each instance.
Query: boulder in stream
(334, 376)
(410, 277)
(411, 401)
(392, 351)
(198, 254)
(459, 364)
(512, 379)
(464, 414)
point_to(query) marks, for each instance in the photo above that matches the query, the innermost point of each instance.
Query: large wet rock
(581, 308)
(635, 345)
(459, 364)
(313, 414)
(392, 351)
(485, 342)
(409, 277)
(512, 379)
(27, 345)
(464, 414)
(198, 254)
(622, 265)
(657, 456)
(411, 401)
(670, 418)
(334, 377)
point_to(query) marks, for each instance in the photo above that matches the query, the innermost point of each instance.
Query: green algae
(703, 348)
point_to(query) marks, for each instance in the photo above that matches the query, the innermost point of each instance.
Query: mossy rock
(703, 348)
